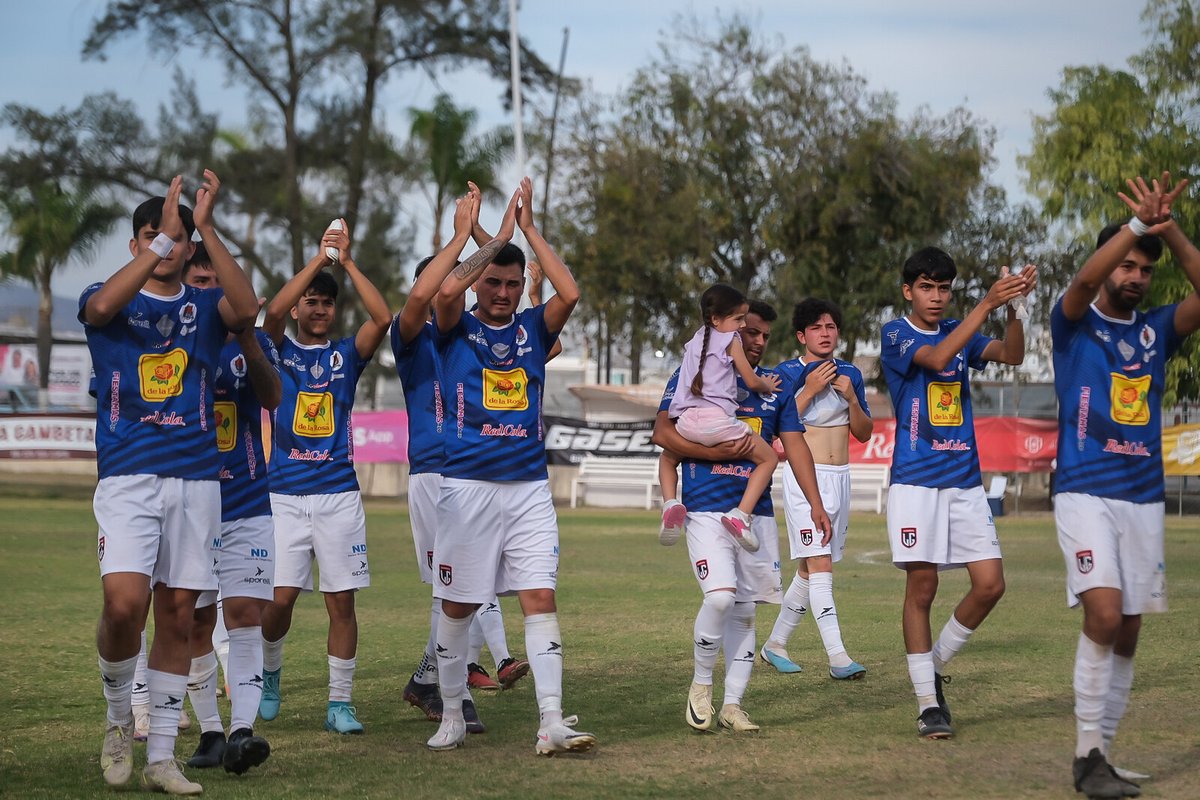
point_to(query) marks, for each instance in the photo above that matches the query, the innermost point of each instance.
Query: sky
(997, 59)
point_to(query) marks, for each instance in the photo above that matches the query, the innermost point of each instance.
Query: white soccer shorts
(805, 540)
(331, 528)
(947, 527)
(719, 562)
(424, 489)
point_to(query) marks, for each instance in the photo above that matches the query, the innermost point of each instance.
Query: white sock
(820, 590)
(739, 652)
(953, 638)
(452, 661)
(244, 676)
(474, 640)
(920, 672)
(543, 643)
(795, 606)
(202, 691)
(341, 678)
(141, 692)
(491, 621)
(117, 680)
(709, 633)
(427, 671)
(273, 654)
(1093, 675)
(1118, 697)
(167, 691)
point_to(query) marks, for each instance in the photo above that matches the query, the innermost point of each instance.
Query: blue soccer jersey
(155, 364)
(245, 491)
(828, 409)
(935, 431)
(419, 369)
(314, 441)
(494, 380)
(718, 487)
(1109, 376)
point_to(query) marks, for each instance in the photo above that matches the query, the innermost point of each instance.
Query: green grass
(626, 609)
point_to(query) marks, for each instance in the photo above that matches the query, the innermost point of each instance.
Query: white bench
(868, 486)
(640, 474)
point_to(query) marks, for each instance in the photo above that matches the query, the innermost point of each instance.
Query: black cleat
(471, 717)
(938, 681)
(426, 697)
(209, 752)
(245, 750)
(1096, 779)
(932, 724)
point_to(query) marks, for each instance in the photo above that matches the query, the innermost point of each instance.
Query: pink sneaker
(674, 515)
(740, 530)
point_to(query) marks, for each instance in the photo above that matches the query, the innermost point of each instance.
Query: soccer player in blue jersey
(497, 529)
(1109, 374)
(832, 403)
(155, 347)
(315, 498)
(732, 579)
(937, 514)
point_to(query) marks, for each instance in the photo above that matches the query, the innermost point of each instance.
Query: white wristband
(1138, 227)
(162, 245)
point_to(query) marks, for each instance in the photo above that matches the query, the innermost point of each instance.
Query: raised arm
(763, 384)
(416, 308)
(449, 302)
(275, 320)
(239, 306)
(263, 375)
(1187, 313)
(936, 357)
(566, 291)
(1011, 349)
(379, 316)
(861, 423)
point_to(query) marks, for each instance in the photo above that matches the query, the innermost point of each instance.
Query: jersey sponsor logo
(702, 568)
(1125, 349)
(755, 424)
(500, 350)
(172, 419)
(297, 454)
(226, 416)
(138, 321)
(1128, 396)
(914, 424)
(733, 470)
(1084, 561)
(1126, 448)
(907, 343)
(945, 404)
(1081, 426)
(516, 431)
(806, 537)
(505, 391)
(314, 415)
(161, 374)
(949, 445)
(445, 574)
(164, 326)
(908, 537)
(224, 474)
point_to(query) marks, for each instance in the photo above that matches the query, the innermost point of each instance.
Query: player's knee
(1102, 624)
(721, 602)
(123, 612)
(990, 591)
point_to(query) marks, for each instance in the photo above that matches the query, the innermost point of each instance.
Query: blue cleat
(851, 672)
(268, 706)
(342, 718)
(779, 660)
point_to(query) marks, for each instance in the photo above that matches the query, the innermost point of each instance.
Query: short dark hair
(809, 310)
(764, 310)
(323, 285)
(932, 262)
(199, 257)
(510, 254)
(150, 213)
(1150, 245)
(421, 265)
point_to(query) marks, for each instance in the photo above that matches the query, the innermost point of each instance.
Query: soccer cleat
(341, 717)
(210, 752)
(1129, 775)
(562, 738)
(854, 672)
(426, 697)
(450, 734)
(740, 530)
(116, 755)
(268, 706)
(477, 678)
(938, 682)
(510, 671)
(699, 707)
(779, 659)
(932, 724)
(165, 776)
(141, 722)
(471, 717)
(735, 718)
(673, 517)
(1096, 779)
(244, 750)
(185, 721)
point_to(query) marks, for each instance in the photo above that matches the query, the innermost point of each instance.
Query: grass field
(626, 609)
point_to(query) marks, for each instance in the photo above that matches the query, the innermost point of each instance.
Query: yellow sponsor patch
(1128, 396)
(505, 391)
(161, 375)
(755, 424)
(314, 415)
(226, 416)
(945, 404)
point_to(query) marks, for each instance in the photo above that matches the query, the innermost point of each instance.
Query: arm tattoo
(470, 268)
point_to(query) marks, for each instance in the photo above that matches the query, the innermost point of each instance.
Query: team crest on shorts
(702, 568)
(445, 574)
(908, 537)
(1083, 560)
(806, 537)
(100, 549)
(429, 558)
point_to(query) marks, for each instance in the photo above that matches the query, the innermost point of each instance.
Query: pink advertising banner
(380, 437)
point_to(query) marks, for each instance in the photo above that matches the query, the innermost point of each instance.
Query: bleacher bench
(868, 486)
(639, 474)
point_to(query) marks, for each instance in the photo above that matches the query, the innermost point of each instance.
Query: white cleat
(1130, 775)
(116, 756)
(452, 733)
(165, 776)
(735, 718)
(561, 738)
(699, 713)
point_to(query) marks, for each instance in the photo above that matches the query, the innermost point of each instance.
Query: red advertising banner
(1006, 444)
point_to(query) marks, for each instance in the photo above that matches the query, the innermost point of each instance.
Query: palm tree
(50, 226)
(451, 155)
